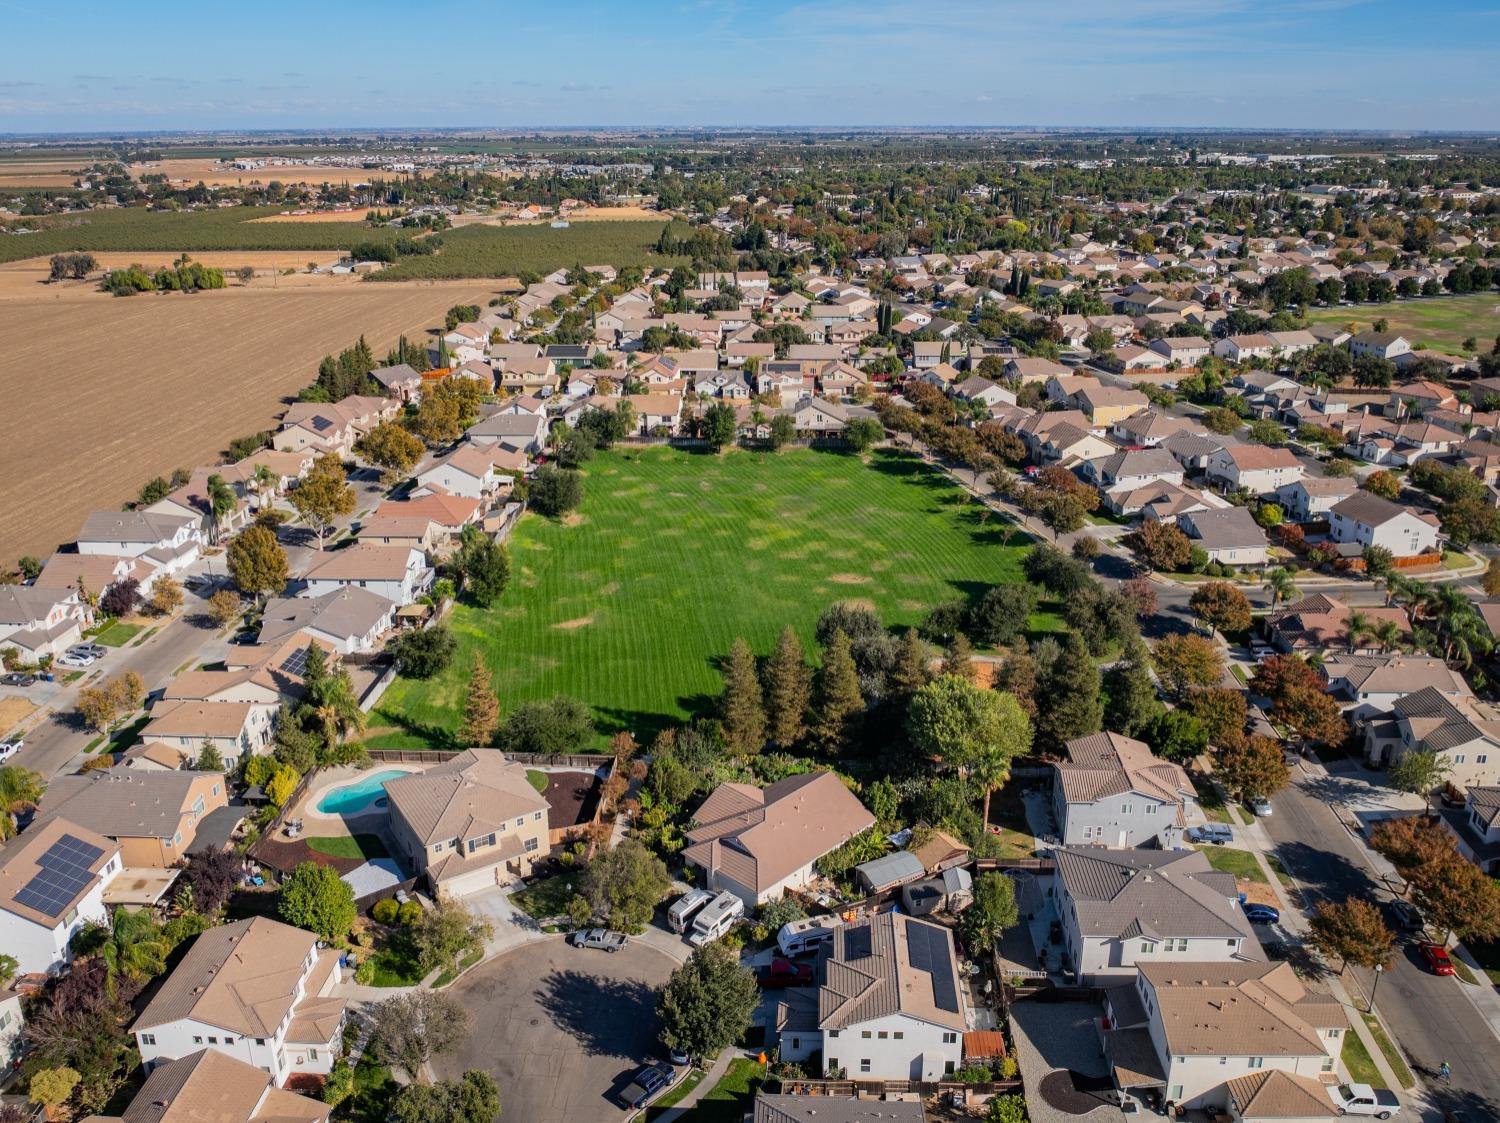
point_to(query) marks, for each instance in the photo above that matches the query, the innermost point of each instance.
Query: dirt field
(214, 174)
(317, 216)
(593, 214)
(13, 711)
(150, 383)
(39, 173)
(27, 278)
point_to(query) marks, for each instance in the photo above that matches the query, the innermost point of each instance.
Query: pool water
(363, 795)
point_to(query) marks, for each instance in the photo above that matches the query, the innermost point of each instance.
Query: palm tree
(1280, 584)
(1356, 627)
(20, 790)
(221, 501)
(1387, 634)
(263, 480)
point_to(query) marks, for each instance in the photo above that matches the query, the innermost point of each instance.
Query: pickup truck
(601, 938)
(1361, 1099)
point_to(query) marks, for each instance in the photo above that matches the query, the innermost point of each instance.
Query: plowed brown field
(98, 394)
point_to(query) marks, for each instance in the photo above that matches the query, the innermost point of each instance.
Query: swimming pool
(365, 794)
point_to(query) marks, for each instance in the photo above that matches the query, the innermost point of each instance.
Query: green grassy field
(502, 251)
(1441, 323)
(674, 554)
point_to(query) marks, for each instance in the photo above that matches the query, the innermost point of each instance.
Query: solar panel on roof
(857, 942)
(927, 950)
(65, 869)
(321, 423)
(296, 662)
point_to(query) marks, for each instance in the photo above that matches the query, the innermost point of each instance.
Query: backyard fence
(977, 1092)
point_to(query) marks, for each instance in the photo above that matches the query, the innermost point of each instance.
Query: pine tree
(481, 710)
(741, 707)
(910, 673)
(788, 690)
(1132, 693)
(1072, 706)
(958, 659)
(839, 699)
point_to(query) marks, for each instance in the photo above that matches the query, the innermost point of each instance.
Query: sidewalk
(710, 1078)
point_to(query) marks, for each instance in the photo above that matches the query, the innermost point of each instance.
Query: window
(950, 1039)
(864, 1065)
(312, 1054)
(228, 1041)
(521, 822)
(1333, 1033)
(948, 1068)
(198, 805)
(833, 1034)
(796, 1043)
(212, 1040)
(882, 1035)
(1327, 1065)
(1458, 758)
(899, 1035)
(865, 1034)
(536, 817)
(146, 1038)
(1482, 758)
(1257, 1062)
(216, 789)
(1127, 808)
(1223, 1060)
(1176, 1092)
(531, 844)
(260, 1040)
(502, 827)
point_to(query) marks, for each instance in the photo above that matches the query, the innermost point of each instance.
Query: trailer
(685, 906)
(716, 919)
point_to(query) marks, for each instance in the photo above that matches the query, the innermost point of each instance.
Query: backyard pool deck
(328, 823)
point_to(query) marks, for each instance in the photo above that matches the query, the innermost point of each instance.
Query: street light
(1379, 970)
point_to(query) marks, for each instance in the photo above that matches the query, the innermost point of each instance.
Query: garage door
(470, 882)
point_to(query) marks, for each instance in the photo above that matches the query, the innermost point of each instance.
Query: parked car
(1261, 806)
(9, 748)
(1436, 958)
(71, 660)
(601, 938)
(784, 973)
(1262, 914)
(1361, 1099)
(1216, 833)
(1406, 916)
(650, 1082)
(17, 679)
(97, 651)
(679, 1057)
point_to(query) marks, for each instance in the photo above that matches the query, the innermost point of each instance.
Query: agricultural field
(630, 603)
(1440, 323)
(497, 251)
(40, 173)
(157, 382)
(137, 230)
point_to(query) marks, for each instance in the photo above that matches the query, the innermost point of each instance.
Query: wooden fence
(590, 762)
(977, 1092)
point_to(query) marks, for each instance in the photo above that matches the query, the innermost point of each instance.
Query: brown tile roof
(1276, 1094)
(210, 1087)
(361, 561)
(469, 795)
(1241, 1009)
(197, 719)
(891, 964)
(18, 865)
(1105, 764)
(758, 836)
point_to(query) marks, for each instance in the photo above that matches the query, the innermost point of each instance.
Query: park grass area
(118, 633)
(729, 1100)
(548, 897)
(675, 1095)
(1357, 1060)
(503, 251)
(366, 846)
(1240, 863)
(1393, 1055)
(537, 780)
(631, 603)
(1441, 323)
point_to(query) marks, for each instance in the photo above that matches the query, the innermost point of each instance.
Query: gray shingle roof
(1154, 893)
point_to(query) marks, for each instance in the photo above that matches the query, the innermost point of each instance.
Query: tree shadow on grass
(643, 725)
(433, 736)
(606, 1017)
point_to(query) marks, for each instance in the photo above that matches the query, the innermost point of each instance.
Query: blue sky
(1374, 64)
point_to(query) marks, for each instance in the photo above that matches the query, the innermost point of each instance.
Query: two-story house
(349, 619)
(1368, 684)
(167, 543)
(256, 990)
(210, 1087)
(1123, 907)
(890, 1004)
(40, 621)
(398, 573)
(1258, 469)
(1463, 732)
(331, 427)
(154, 816)
(1312, 497)
(52, 881)
(1112, 791)
(236, 729)
(1476, 827)
(1369, 520)
(472, 822)
(1189, 1029)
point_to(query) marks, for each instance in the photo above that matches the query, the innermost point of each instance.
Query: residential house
(1238, 348)
(1163, 502)
(1185, 350)
(470, 823)
(656, 413)
(193, 500)
(1319, 622)
(472, 471)
(255, 990)
(1123, 907)
(1420, 398)
(1187, 1029)
(756, 843)
(1126, 471)
(518, 432)
(1369, 684)
(349, 619)
(1147, 429)
(1368, 520)
(1475, 827)
(398, 573)
(401, 382)
(1463, 732)
(447, 512)
(331, 428)
(12, 1032)
(1229, 535)
(1258, 469)
(38, 620)
(236, 729)
(210, 1086)
(771, 1108)
(1027, 369)
(52, 881)
(1312, 497)
(154, 816)
(890, 1005)
(1111, 791)
(1192, 450)
(167, 543)
(1389, 345)
(92, 574)
(1105, 406)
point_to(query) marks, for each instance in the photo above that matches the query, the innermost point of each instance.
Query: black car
(650, 1082)
(17, 680)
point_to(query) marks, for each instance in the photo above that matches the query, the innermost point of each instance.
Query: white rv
(804, 937)
(716, 919)
(684, 907)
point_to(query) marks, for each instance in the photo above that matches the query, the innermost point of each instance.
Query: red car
(1437, 958)
(784, 973)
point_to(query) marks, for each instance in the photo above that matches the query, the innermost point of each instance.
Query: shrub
(409, 913)
(385, 910)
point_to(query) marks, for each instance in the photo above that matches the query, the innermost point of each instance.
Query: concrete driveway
(559, 1028)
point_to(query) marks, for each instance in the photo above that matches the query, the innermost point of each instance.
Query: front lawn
(1357, 1060)
(394, 964)
(548, 897)
(1393, 1055)
(630, 603)
(537, 780)
(366, 846)
(118, 634)
(373, 1089)
(730, 1099)
(675, 1094)
(1240, 863)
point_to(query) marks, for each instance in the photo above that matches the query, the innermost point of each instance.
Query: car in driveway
(601, 938)
(93, 650)
(1361, 1099)
(1262, 914)
(1436, 958)
(781, 973)
(72, 660)
(648, 1083)
(1216, 833)
(17, 679)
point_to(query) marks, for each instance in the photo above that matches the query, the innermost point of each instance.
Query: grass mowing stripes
(630, 604)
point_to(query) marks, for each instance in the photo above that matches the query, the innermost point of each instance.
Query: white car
(7, 748)
(76, 661)
(1361, 1099)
